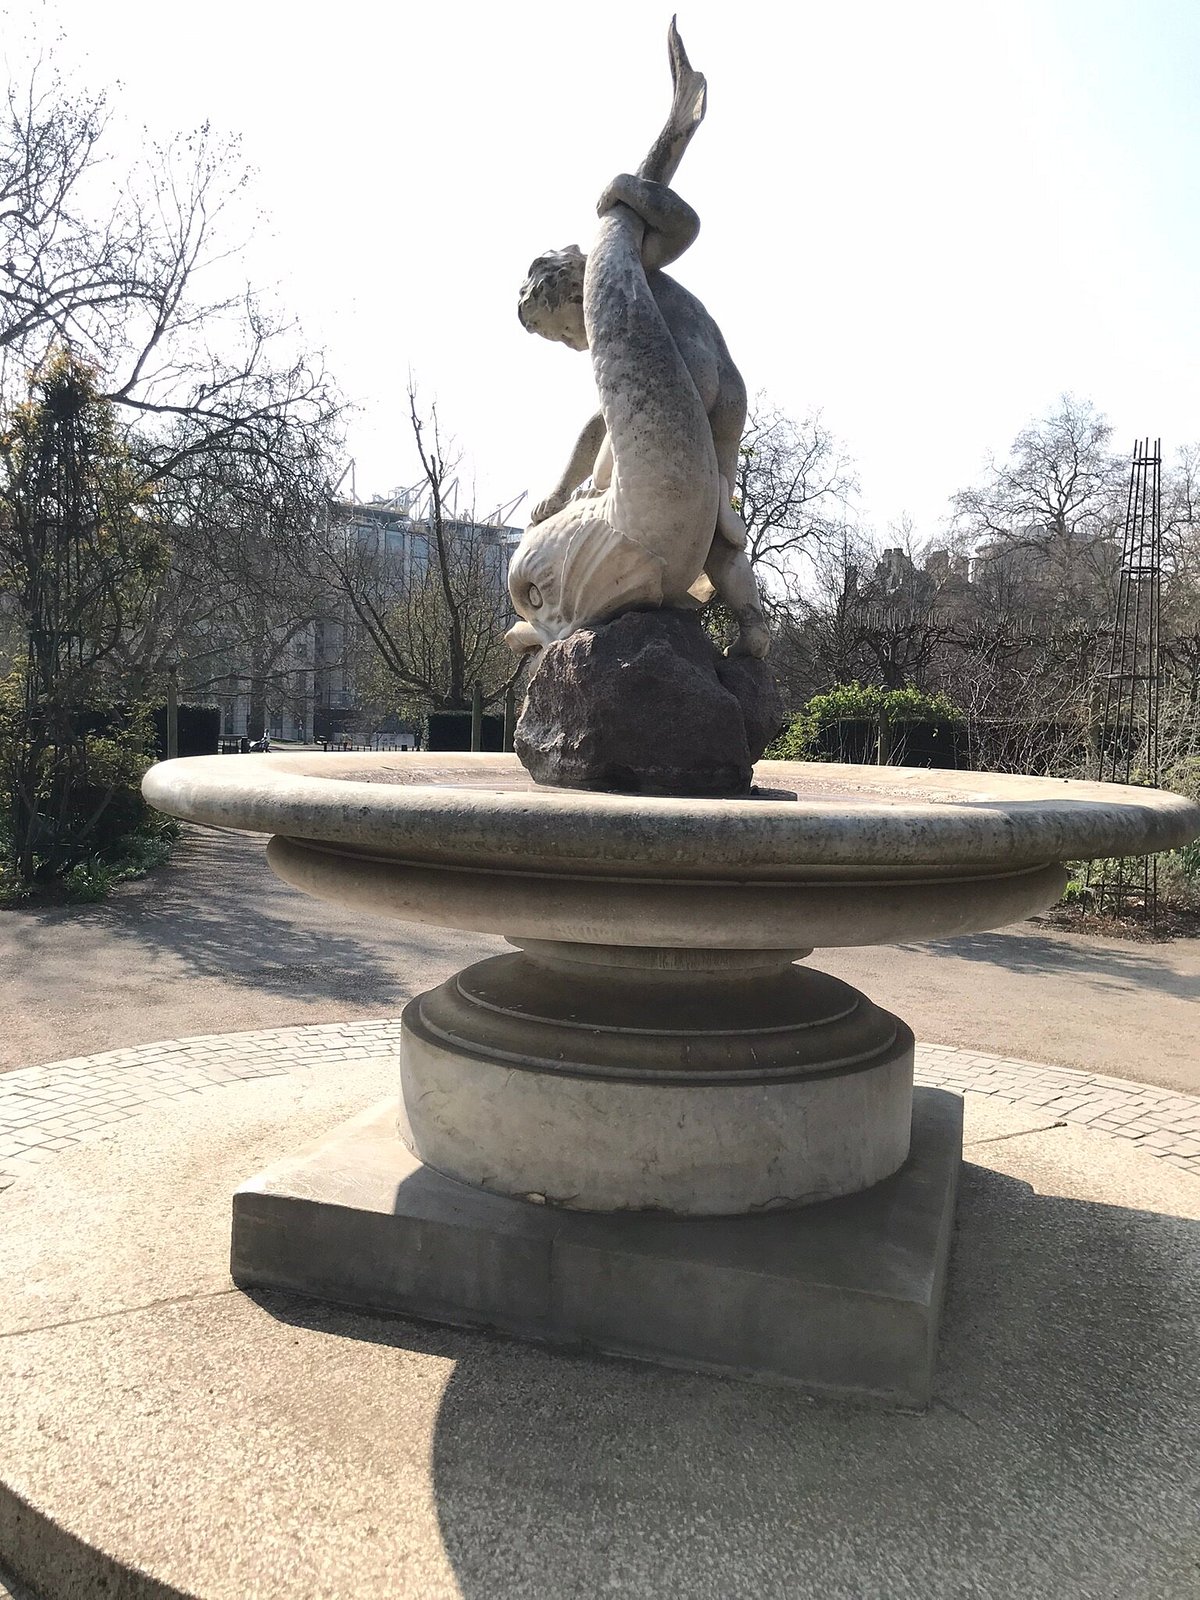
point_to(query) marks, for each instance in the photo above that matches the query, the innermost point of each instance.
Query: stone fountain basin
(650, 1046)
(820, 854)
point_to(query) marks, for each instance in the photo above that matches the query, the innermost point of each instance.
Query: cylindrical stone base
(690, 1082)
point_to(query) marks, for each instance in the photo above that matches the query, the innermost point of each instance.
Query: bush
(860, 703)
(70, 783)
(91, 833)
(1179, 877)
(1179, 870)
(131, 857)
(1185, 778)
(1119, 879)
(88, 881)
(12, 889)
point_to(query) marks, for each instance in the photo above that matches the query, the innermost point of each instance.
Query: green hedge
(864, 707)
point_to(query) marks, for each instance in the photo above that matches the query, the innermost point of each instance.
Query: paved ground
(210, 943)
(48, 1108)
(1058, 1458)
(213, 943)
(245, 1446)
(1101, 1005)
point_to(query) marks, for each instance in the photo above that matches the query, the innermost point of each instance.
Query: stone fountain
(648, 1130)
(630, 1133)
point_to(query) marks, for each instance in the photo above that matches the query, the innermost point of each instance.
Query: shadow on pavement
(217, 907)
(1057, 1459)
(1104, 966)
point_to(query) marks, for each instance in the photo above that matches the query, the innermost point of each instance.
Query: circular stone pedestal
(652, 1047)
(699, 1082)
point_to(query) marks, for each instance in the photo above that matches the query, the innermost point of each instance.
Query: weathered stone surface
(646, 704)
(753, 686)
(642, 515)
(470, 841)
(587, 1080)
(843, 1298)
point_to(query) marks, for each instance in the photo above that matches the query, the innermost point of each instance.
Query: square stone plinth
(840, 1298)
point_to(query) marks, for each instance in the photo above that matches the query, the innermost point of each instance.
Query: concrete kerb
(45, 1109)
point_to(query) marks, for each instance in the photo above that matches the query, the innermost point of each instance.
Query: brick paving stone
(49, 1107)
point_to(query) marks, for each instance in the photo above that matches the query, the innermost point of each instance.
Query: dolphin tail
(688, 106)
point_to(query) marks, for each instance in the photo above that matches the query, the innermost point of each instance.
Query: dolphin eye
(534, 596)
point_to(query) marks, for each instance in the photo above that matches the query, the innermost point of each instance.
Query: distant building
(310, 693)
(400, 529)
(1040, 565)
(397, 529)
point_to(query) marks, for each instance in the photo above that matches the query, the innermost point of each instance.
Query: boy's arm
(578, 468)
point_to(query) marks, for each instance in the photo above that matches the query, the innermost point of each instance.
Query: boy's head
(551, 298)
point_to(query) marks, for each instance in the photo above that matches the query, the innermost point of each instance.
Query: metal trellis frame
(1129, 732)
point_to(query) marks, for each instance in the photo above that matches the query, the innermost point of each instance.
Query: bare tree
(223, 417)
(1013, 621)
(134, 271)
(1181, 516)
(121, 287)
(865, 614)
(435, 609)
(237, 597)
(63, 275)
(1181, 608)
(1028, 687)
(793, 484)
(1048, 518)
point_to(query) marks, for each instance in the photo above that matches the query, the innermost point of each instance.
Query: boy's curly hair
(555, 279)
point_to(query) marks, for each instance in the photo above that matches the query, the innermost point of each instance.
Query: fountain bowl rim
(482, 810)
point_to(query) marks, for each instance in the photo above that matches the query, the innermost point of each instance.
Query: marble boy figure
(656, 525)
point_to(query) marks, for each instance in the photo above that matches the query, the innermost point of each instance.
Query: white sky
(926, 219)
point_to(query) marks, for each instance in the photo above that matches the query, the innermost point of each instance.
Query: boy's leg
(731, 575)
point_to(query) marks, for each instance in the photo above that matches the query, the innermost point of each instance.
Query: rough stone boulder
(646, 704)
